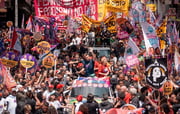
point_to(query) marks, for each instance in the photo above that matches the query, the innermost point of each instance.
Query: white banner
(150, 36)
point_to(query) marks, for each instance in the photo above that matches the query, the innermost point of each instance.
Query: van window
(102, 51)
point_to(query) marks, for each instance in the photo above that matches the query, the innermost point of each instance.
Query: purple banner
(10, 56)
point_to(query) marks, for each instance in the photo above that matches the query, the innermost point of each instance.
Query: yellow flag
(86, 23)
(117, 5)
(152, 7)
(162, 44)
(162, 29)
(101, 10)
(110, 23)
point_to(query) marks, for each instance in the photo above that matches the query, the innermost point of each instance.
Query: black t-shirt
(31, 102)
(106, 105)
(92, 108)
(89, 67)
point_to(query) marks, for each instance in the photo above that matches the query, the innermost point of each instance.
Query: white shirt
(77, 106)
(56, 104)
(76, 41)
(11, 104)
(2, 105)
(121, 60)
(47, 94)
(114, 59)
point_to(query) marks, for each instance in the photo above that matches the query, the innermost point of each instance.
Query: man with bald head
(127, 94)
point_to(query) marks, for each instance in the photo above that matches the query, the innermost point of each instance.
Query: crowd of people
(43, 90)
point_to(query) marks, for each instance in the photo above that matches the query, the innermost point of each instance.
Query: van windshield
(102, 51)
(84, 86)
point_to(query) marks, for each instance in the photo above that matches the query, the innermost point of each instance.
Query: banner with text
(9, 59)
(132, 60)
(52, 8)
(101, 10)
(117, 5)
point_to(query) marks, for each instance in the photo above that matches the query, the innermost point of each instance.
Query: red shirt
(127, 97)
(103, 69)
(96, 65)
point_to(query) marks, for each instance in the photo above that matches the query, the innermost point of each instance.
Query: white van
(102, 51)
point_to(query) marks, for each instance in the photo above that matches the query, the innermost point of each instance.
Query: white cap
(18, 86)
(13, 89)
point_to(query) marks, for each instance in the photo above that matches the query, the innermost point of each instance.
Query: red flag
(6, 75)
(14, 38)
(16, 43)
(29, 24)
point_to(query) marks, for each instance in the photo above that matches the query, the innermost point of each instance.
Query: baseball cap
(79, 98)
(79, 65)
(18, 86)
(59, 86)
(51, 86)
(13, 89)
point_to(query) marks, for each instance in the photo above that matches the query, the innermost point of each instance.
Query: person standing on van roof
(104, 67)
(88, 63)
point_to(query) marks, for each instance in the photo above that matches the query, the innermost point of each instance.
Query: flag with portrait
(156, 72)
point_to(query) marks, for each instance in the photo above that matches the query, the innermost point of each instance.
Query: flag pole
(16, 13)
(26, 73)
(55, 62)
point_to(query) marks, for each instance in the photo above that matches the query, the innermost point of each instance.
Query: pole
(16, 13)
(26, 73)
(55, 66)
(9, 33)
